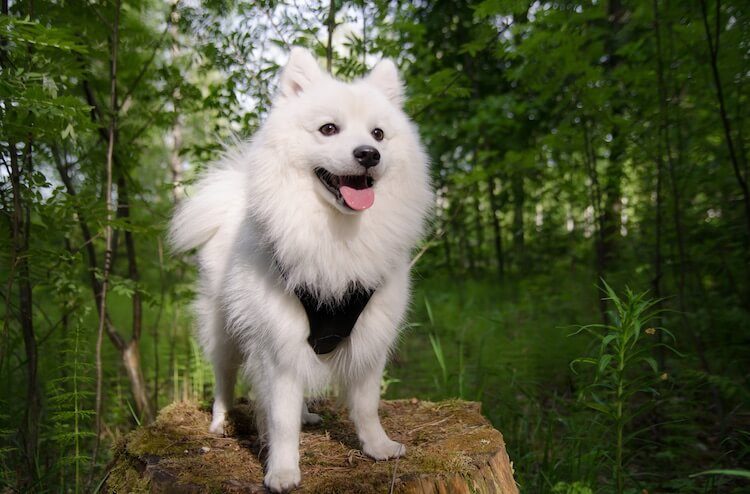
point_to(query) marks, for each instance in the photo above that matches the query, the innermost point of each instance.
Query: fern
(69, 416)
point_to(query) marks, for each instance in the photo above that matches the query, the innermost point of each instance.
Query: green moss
(448, 438)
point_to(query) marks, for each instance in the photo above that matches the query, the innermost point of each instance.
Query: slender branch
(713, 52)
(108, 228)
(157, 45)
(20, 246)
(281, 36)
(88, 242)
(123, 211)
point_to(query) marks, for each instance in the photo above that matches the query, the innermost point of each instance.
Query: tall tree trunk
(108, 136)
(662, 138)
(595, 192)
(612, 190)
(478, 225)
(684, 266)
(468, 248)
(111, 136)
(331, 26)
(21, 230)
(496, 227)
(713, 49)
(519, 201)
(445, 217)
(457, 227)
(131, 356)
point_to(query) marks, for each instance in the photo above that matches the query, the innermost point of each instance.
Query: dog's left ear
(300, 72)
(385, 77)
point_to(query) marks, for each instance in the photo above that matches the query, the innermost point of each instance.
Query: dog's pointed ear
(385, 77)
(299, 73)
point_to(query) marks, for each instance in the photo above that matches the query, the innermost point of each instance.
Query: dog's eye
(329, 129)
(378, 134)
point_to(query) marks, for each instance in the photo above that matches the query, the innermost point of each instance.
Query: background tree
(571, 142)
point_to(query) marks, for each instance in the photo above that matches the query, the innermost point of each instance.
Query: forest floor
(510, 345)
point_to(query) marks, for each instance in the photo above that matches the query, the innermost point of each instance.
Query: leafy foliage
(571, 141)
(624, 370)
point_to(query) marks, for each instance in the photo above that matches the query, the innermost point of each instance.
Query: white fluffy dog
(304, 237)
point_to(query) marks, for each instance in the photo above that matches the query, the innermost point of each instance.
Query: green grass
(508, 346)
(512, 346)
(491, 336)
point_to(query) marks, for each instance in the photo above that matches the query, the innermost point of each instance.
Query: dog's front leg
(363, 398)
(282, 403)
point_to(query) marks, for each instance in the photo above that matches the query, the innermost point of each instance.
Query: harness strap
(329, 326)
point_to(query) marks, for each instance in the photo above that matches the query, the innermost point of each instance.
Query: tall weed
(625, 374)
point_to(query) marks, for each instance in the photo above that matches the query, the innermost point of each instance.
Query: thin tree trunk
(131, 355)
(596, 204)
(21, 234)
(446, 226)
(465, 238)
(612, 190)
(175, 162)
(478, 225)
(21, 229)
(519, 200)
(662, 138)
(120, 343)
(457, 228)
(496, 227)
(99, 408)
(364, 34)
(155, 333)
(684, 265)
(88, 238)
(713, 49)
(331, 25)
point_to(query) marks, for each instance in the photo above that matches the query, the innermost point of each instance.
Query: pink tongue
(357, 199)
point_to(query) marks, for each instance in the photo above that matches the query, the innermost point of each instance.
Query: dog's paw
(384, 450)
(217, 424)
(282, 480)
(311, 418)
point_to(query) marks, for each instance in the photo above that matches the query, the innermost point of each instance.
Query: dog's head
(345, 137)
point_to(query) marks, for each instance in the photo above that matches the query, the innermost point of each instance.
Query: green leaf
(745, 474)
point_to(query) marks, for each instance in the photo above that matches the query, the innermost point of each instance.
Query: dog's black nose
(367, 156)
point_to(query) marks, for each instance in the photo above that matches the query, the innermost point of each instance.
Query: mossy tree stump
(451, 448)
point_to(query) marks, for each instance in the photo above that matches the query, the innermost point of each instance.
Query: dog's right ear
(299, 73)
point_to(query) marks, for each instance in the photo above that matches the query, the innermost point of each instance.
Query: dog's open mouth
(353, 191)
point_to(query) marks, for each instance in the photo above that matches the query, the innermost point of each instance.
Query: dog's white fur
(262, 207)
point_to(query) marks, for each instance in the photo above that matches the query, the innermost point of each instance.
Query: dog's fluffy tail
(198, 217)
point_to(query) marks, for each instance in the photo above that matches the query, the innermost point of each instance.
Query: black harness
(330, 325)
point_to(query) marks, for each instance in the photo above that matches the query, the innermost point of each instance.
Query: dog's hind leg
(225, 375)
(309, 418)
(222, 352)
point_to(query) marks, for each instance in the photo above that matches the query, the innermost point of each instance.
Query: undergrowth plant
(6, 448)
(69, 412)
(625, 373)
(442, 384)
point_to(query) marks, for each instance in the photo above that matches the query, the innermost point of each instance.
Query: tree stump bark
(451, 448)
